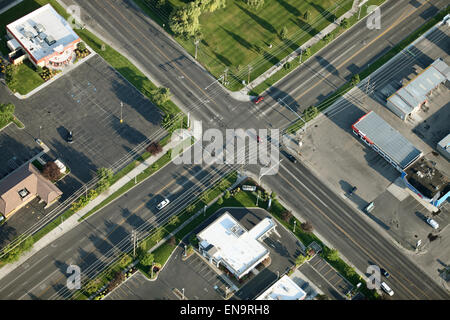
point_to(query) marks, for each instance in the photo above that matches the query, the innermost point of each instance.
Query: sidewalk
(72, 222)
(243, 94)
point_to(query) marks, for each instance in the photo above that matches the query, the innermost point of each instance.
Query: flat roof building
(443, 147)
(283, 289)
(45, 37)
(415, 93)
(386, 141)
(228, 243)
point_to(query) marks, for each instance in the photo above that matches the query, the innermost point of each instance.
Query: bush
(105, 176)
(220, 201)
(284, 33)
(300, 259)
(117, 280)
(173, 241)
(254, 3)
(344, 23)
(227, 194)
(51, 171)
(355, 79)
(333, 255)
(307, 226)
(148, 259)
(154, 148)
(286, 216)
(81, 46)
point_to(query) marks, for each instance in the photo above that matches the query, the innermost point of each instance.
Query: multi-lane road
(165, 61)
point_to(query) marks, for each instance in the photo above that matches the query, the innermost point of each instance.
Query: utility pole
(135, 179)
(134, 237)
(295, 222)
(182, 292)
(196, 47)
(188, 123)
(40, 127)
(204, 210)
(300, 58)
(121, 109)
(225, 76)
(249, 70)
(85, 188)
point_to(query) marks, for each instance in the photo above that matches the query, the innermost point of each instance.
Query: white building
(45, 37)
(283, 289)
(228, 243)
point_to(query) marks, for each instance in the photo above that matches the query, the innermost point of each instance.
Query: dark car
(384, 273)
(259, 99)
(290, 157)
(258, 139)
(352, 191)
(70, 137)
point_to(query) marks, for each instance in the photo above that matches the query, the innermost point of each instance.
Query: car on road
(387, 289)
(259, 99)
(69, 138)
(352, 191)
(291, 158)
(384, 273)
(258, 139)
(163, 204)
(433, 223)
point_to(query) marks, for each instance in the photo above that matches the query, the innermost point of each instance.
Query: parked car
(433, 223)
(258, 139)
(387, 289)
(259, 99)
(70, 137)
(162, 204)
(384, 273)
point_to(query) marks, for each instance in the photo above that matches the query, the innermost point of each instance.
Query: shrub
(355, 79)
(286, 216)
(344, 23)
(117, 280)
(300, 259)
(173, 241)
(254, 3)
(154, 148)
(81, 46)
(227, 194)
(51, 171)
(148, 259)
(283, 33)
(332, 255)
(220, 201)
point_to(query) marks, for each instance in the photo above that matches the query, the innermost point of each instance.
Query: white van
(386, 289)
(433, 223)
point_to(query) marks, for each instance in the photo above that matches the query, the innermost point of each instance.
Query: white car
(433, 223)
(387, 289)
(162, 204)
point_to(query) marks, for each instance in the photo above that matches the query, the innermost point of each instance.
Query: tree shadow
(289, 8)
(223, 59)
(323, 12)
(247, 45)
(263, 23)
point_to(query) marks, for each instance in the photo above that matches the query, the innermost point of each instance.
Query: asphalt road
(332, 218)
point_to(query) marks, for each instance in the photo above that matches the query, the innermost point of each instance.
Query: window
(23, 193)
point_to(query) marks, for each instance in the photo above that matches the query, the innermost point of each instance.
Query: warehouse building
(283, 289)
(415, 93)
(386, 141)
(225, 242)
(42, 36)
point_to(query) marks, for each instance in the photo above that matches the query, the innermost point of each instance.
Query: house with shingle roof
(24, 185)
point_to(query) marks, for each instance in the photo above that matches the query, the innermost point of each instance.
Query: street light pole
(249, 70)
(40, 127)
(196, 48)
(295, 222)
(121, 109)
(182, 291)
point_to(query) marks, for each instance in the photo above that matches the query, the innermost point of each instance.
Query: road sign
(248, 188)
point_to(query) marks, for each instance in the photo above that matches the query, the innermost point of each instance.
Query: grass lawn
(239, 35)
(27, 78)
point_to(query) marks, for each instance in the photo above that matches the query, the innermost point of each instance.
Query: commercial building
(443, 147)
(225, 242)
(22, 186)
(42, 36)
(415, 93)
(427, 182)
(284, 289)
(386, 141)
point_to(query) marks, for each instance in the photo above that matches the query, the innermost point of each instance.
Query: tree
(321, 297)
(81, 46)
(306, 15)
(105, 176)
(118, 279)
(190, 208)
(220, 201)
(211, 5)
(344, 23)
(185, 20)
(355, 79)
(161, 95)
(125, 261)
(154, 148)
(307, 52)
(51, 171)
(284, 33)
(255, 3)
(173, 241)
(286, 216)
(328, 37)
(227, 194)
(10, 75)
(300, 259)
(333, 255)
(6, 112)
(147, 259)
(158, 3)
(307, 226)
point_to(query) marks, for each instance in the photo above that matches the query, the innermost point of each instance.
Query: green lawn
(239, 35)
(27, 79)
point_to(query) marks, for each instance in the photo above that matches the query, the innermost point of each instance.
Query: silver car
(162, 204)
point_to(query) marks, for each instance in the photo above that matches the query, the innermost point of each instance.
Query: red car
(259, 99)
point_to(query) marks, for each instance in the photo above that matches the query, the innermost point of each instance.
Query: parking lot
(87, 101)
(196, 276)
(326, 278)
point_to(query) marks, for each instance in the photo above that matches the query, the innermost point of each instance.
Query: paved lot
(340, 158)
(87, 102)
(194, 275)
(326, 278)
(305, 284)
